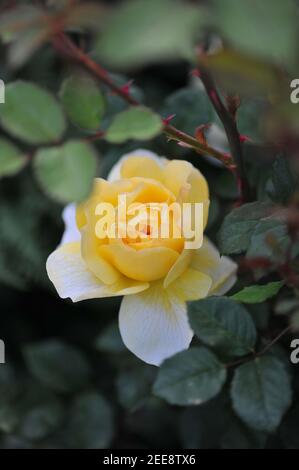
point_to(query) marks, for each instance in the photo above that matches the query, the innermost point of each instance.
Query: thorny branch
(67, 48)
(230, 126)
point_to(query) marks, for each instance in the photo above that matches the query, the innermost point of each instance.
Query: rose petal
(192, 285)
(115, 172)
(71, 232)
(154, 324)
(222, 270)
(71, 278)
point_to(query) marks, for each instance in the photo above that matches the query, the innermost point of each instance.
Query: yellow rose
(156, 276)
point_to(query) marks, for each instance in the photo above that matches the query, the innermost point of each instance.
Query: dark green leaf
(109, 340)
(134, 386)
(66, 172)
(238, 436)
(283, 180)
(191, 107)
(9, 418)
(9, 385)
(260, 314)
(222, 323)
(57, 365)
(248, 124)
(91, 423)
(115, 104)
(289, 428)
(270, 239)
(143, 423)
(261, 393)
(257, 294)
(41, 421)
(238, 226)
(25, 239)
(190, 377)
(225, 185)
(31, 113)
(200, 426)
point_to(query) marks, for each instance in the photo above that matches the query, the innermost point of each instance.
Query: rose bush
(211, 89)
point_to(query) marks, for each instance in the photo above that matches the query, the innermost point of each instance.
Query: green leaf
(190, 377)
(109, 340)
(283, 180)
(9, 418)
(258, 294)
(129, 39)
(83, 102)
(137, 122)
(224, 324)
(260, 314)
(57, 365)
(66, 172)
(31, 113)
(238, 72)
(134, 386)
(11, 158)
(270, 239)
(238, 226)
(261, 393)
(91, 423)
(248, 124)
(249, 25)
(239, 436)
(191, 107)
(30, 226)
(289, 428)
(225, 185)
(42, 420)
(200, 426)
(9, 385)
(114, 103)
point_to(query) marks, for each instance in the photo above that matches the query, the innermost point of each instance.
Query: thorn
(183, 144)
(200, 133)
(200, 137)
(127, 87)
(195, 73)
(167, 120)
(245, 138)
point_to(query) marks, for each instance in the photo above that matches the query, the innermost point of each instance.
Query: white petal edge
(222, 270)
(71, 278)
(114, 173)
(224, 277)
(71, 232)
(154, 325)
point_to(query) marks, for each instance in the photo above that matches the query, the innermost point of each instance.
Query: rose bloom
(156, 276)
